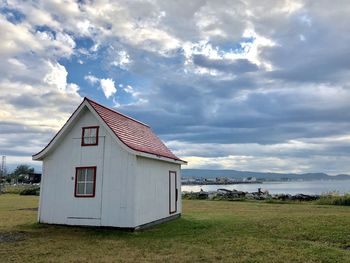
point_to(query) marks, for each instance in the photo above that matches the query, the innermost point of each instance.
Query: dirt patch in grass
(29, 209)
(9, 237)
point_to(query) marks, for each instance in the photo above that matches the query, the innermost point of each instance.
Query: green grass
(209, 231)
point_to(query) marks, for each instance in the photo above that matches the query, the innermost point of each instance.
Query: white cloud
(252, 49)
(129, 89)
(35, 97)
(122, 60)
(298, 156)
(72, 88)
(57, 76)
(16, 39)
(85, 27)
(91, 79)
(332, 165)
(249, 49)
(136, 95)
(107, 85)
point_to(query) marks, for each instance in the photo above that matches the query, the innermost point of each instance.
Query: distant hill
(204, 173)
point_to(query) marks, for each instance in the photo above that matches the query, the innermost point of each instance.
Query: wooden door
(87, 210)
(173, 192)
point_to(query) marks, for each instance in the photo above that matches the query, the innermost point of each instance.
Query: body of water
(304, 187)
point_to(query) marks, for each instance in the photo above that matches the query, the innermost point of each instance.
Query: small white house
(104, 168)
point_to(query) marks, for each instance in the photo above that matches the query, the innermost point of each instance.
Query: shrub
(335, 199)
(13, 189)
(30, 191)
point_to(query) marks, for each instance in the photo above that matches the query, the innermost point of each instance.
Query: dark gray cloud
(238, 66)
(11, 128)
(25, 101)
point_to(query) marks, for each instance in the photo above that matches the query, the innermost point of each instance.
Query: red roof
(134, 134)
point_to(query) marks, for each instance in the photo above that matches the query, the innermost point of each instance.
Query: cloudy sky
(246, 85)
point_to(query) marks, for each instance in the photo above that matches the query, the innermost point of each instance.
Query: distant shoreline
(274, 187)
(212, 182)
(259, 176)
(220, 183)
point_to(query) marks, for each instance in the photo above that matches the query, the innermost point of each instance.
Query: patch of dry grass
(209, 231)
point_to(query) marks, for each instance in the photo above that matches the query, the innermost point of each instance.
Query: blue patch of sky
(98, 64)
(77, 72)
(177, 59)
(93, 63)
(12, 15)
(237, 48)
(45, 29)
(84, 42)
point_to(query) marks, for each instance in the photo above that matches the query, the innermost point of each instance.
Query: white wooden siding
(113, 201)
(152, 190)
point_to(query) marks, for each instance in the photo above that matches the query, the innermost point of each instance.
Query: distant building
(222, 180)
(30, 178)
(249, 179)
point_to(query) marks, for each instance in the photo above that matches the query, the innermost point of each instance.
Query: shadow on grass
(182, 227)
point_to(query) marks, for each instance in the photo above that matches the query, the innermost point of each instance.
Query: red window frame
(83, 132)
(76, 181)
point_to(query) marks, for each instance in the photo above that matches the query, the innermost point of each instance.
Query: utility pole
(3, 170)
(3, 166)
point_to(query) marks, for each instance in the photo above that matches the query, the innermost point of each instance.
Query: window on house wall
(85, 181)
(89, 136)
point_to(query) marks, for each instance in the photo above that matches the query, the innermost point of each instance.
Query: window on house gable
(85, 181)
(89, 136)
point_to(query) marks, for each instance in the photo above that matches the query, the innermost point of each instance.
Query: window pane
(86, 133)
(80, 175)
(90, 136)
(85, 181)
(93, 132)
(86, 140)
(90, 174)
(89, 188)
(80, 188)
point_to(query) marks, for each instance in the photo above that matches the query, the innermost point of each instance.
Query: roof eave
(160, 158)
(36, 157)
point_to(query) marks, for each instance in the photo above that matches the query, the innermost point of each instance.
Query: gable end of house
(132, 135)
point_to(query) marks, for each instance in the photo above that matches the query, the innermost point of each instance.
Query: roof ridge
(126, 116)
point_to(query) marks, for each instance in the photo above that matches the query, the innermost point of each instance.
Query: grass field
(209, 231)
